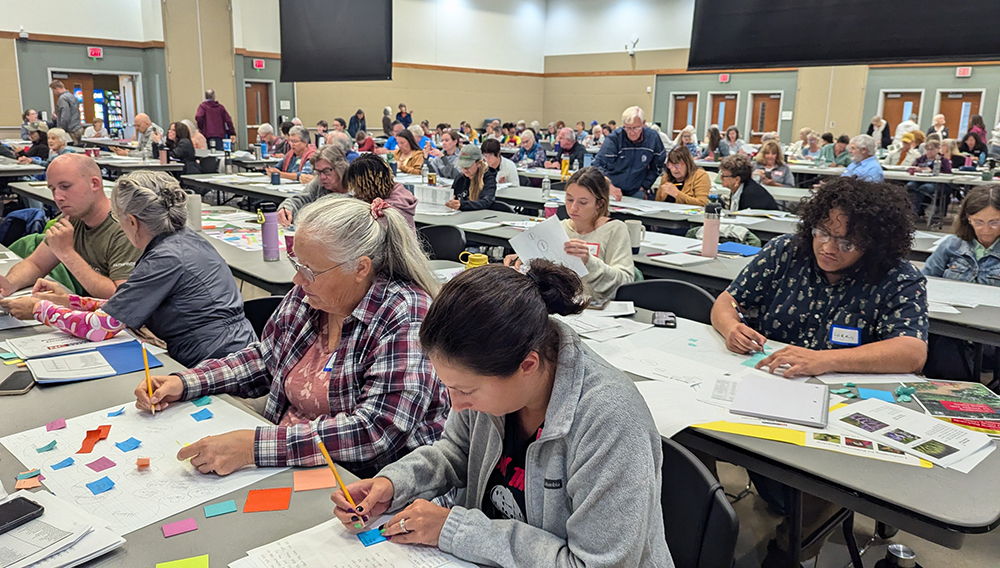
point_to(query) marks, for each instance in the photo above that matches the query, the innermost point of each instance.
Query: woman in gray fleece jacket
(554, 451)
(329, 167)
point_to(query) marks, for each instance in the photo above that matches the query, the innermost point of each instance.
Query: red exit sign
(724, 77)
(95, 52)
(963, 71)
(258, 63)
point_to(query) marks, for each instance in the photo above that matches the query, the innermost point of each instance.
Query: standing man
(404, 117)
(214, 122)
(631, 157)
(67, 114)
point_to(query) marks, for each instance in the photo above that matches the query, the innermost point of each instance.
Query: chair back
(686, 300)
(501, 206)
(443, 242)
(700, 525)
(259, 310)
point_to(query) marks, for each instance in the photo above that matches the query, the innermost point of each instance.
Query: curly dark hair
(879, 222)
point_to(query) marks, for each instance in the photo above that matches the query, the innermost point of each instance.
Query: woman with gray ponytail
(180, 289)
(340, 359)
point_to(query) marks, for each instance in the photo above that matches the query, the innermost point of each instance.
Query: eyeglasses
(324, 171)
(632, 128)
(979, 223)
(724, 176)
(307, 272)
(824, 237)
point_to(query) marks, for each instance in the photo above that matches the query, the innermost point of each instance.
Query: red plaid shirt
(384, 397)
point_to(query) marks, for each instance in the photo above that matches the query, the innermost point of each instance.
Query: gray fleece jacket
(592, 480)
(313, 191)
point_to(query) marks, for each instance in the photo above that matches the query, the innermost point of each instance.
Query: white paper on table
(431, 209)
(614, 309)
(841, 378)
(966, 465)
(623, 328)
(662, 366)
(57, 342)
(956, 293)
(937, 308)
(670, 243)
(432, 195)
(742, 221)
(857, 446)
(478, 226)
(926, 235)
(674, 406)
(763, 213)
(547, 240)
(74, 366)
(445, 274)
(39, 538)
(645, 206)
(587, 323)
(522, 225)
(8, 255)
(718, 390)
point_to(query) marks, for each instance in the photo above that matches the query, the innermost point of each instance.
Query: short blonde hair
(632, 113)
(59, 133)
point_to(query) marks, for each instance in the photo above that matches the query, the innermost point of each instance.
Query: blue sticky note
(216, 509)
(872, 393)
(118, 412)
(65, 463)
(50, 446)
(371, 537)
(203, 414)
(203, 401)
(128, 445)
(8, 356)
(101, 485)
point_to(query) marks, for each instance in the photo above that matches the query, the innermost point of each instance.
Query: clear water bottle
(546, 188)
(937, 165)
(424, 170)
(576, 165)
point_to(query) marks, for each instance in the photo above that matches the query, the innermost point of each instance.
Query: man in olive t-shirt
(86, 239)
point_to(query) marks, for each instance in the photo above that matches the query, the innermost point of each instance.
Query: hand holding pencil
(742, 338)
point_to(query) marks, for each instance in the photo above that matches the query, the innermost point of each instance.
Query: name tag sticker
(329, 364)
(841, 335)
(595, 249)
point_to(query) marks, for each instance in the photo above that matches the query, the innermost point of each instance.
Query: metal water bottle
(546, 188)
(937, 165)
(710, 231)
(229, 163)
(263, 149)
(424, 170)
(269, 231)
(161, 150)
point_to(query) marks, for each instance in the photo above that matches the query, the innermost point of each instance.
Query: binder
(122, 357)
(782, 400)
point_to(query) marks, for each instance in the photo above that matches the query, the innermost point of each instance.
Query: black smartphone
(664, 319)
(19, 382)
(18, 511)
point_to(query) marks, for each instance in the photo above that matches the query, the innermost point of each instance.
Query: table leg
(793, 513)
(977, 362)
(852, 545)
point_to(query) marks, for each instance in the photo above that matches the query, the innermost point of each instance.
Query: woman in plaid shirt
(340, 357)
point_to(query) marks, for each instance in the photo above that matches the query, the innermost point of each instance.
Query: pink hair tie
(378, 208)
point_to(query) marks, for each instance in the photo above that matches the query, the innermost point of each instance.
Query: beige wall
(831, 99)
(10, 103)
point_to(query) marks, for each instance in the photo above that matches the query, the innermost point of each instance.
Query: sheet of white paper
(445, 274)
(431, 209)
(587, 323)
(674, 406)
(742, 221)
(614, 309)
(139, 498)
(546, 240)
(73, 366)
(955, 293)
(57, 342)
(478, 226)
(966, 465)
(429, 195)
(623, 328)
(662, 366)
(841, 378)
(942, 308)
(670, 243)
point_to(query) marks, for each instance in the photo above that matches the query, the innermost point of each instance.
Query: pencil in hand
(149, 382)
(336, 474)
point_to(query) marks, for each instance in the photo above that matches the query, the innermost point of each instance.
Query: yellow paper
(193, 562)
(13, 362)
(785, 435)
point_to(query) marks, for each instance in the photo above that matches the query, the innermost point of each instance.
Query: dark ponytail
(488, 319)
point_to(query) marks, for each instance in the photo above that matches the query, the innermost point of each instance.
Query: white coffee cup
(194, 211)
(636, 233)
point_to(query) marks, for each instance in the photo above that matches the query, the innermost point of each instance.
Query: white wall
(110, 19)
(574, 27)
(256, 25)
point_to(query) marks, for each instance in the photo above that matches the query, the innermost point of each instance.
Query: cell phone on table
(18, 511)
(19, 382)
(598, 304)
(664, 319)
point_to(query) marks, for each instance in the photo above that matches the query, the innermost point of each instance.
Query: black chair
(561, 213)
(445, 242)
(700, 525)
(259, 310)
(686, 300)
(501, 206)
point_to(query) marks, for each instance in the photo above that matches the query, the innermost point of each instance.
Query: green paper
(193, 562)
(840, 391)
(47, 447)
(29, 474)
(851, 395)
(216, 509)
(8, 356)
(850, 385)
(203, 401)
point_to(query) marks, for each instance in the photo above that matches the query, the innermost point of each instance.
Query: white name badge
(329, 364)
(841, 335)
(594, 248)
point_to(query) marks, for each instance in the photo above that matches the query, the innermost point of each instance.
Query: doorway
(258, 103)
(765, 113)
(897, 106)
(957, 107)
(109, 96)
(722, 111)
(683, 112)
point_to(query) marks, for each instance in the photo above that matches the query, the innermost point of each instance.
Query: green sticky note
(203, 401)
(840, 391)
(850, 385)
(216, 509)
(8, 356)
(47, 447)
(193, 562)
(851, 395)
(29, 474)
(754, 359)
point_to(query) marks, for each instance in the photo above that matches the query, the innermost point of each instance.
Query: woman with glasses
(329, 164)
(181, 289)
(684, 181)
(971, 254)
(340, 359)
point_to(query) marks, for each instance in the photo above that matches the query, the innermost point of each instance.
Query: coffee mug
(275, 178)
(473, 260)
(636, 233)
(551, 208)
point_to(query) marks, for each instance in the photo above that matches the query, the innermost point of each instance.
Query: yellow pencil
(340, 482)
(149, 382)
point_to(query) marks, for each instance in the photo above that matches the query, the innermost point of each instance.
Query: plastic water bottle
(576, 165)
(710, 232)
(263, 149)
(546, 188)
(424, 170)
(937, 165)
(269, 231)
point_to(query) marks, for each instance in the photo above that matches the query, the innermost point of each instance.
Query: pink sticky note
(180, 527)
(101, 464)
(55, 425)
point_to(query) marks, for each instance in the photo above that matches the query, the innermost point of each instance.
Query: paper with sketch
(547, 240)
(622, 328)
(57, 342)
(614, 309)
(956, 293)
(139, 497)
(662, 366)
(670, 243)
(72, 367)
(674, 406)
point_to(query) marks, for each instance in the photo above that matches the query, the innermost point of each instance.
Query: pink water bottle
(269, 232)
(710, 232)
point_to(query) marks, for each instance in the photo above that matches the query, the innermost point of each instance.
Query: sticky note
(180, 527)
(118, 412)
(29, 474)
(142, 462)
(371, 537)
(8, 356)
(101, 464)
(47, 447)
(753, 360)
(193, 562)
(260, 500)
(840, 391)
(203, 401)
(104, 430)
(128, 445)
(29, 483)
(65, 463)
(879, 394)
(94, 436)
(203, 414)
(12, 362)
(55, 425)
(216, 509)
(850, 385)
(101, 485)
(310, 479)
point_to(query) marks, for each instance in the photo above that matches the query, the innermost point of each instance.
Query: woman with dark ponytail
(552, 446)
(180, 288)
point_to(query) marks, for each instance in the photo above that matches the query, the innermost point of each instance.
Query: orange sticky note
(30, 483)
(319, 478)
(94, 436)
(259, 500)
(142, 462)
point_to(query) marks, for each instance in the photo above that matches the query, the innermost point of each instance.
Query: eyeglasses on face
(979, 223)
(307, 272)
(824, 237)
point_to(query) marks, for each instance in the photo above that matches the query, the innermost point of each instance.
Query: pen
(657, 253)
(490, 217)
(149, 383)
(340, 481)
(744, 320)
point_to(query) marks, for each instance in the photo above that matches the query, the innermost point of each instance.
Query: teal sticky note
(753, 360)
(216, 509)
(8, 356)
(47, 447)
(203, 401)
(29, 474)
(203, 414)
(65, 463)
(872, 393)
(128, 445)
(850, 385)
(840, 391)
(371, 537)
(118, 412)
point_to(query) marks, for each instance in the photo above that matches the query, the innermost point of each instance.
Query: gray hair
(387, 111)
(632, 114)
(528, 134)
(335, 156)
(301, 133)
(864, 142)
(347, 231)
(417, 133)
(194, 128)
(155, 199)
(265, 129)
(59, 133)
(343, 140)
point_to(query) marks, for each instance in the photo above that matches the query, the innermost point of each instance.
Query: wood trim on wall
(662, 72)
(466, 70)
(257, 54)
(85, 40)
(953, 64)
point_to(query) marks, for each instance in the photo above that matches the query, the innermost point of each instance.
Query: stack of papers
(58, 342)
(670, 243)
(547, 240)
(969, 405)
(961, 294)
(614, 309)
(602, 328)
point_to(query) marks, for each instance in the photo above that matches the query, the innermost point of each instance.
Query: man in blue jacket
(631, 157)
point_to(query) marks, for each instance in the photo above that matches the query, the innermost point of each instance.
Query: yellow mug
(473, 259)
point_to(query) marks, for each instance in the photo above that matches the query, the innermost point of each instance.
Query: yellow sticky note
(193, 562)
(13, 362)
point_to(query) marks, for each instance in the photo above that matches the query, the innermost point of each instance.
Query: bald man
(149, 133)
(86, 238)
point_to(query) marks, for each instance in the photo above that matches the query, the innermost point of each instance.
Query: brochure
(969, 405)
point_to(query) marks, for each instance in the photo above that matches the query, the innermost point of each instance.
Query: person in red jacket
(214, 121)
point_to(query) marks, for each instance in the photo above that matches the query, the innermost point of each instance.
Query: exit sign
(724, 77)
(258, 63)
(963, 71)
(95, 52)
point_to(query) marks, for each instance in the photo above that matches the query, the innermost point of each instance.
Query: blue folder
(738, 248)
(123, 358)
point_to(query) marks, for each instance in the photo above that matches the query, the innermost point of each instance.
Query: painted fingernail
(381, 527)
(361, 509)
(381, 530)
(354, 518)
(364, 518)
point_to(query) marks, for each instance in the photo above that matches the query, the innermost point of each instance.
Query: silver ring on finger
(402, 526)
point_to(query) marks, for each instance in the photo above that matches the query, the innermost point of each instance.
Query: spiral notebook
(782, 400)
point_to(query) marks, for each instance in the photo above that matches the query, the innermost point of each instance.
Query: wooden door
(258, 98)
(724, 110)
(957, 107)
(898, 106)
(685, 112)
(766, 110)
(78, 84)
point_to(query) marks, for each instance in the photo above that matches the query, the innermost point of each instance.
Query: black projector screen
(336, 40)
(730, 34)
